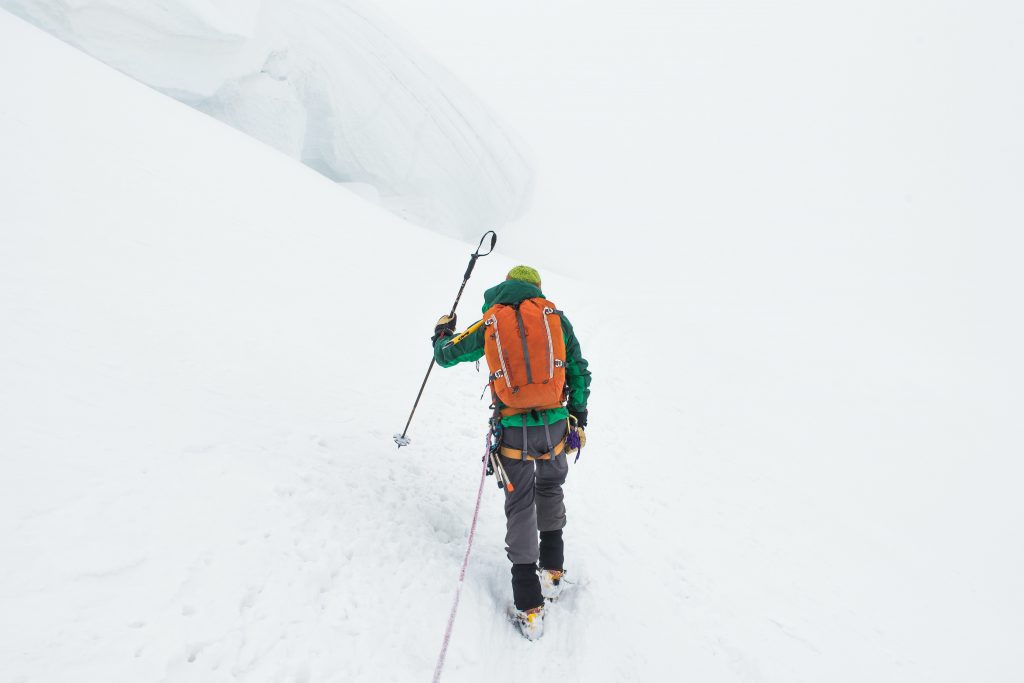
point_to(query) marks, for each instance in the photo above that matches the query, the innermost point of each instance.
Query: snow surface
(334, 84)
(207, 347)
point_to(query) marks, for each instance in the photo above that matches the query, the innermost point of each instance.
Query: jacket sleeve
(577, 374)
(462, 348)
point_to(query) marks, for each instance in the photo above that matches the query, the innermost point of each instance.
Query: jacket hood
(510, 292)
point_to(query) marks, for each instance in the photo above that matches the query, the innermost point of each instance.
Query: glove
(445, 327)
(576, 439)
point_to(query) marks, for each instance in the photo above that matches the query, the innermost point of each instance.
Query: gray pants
(537, 503)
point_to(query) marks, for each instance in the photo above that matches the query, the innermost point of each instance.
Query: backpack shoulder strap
(547, 304)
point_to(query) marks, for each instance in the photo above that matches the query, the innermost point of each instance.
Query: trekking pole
(402, 439)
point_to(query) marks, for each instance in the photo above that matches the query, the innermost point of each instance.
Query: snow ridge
(334, 84)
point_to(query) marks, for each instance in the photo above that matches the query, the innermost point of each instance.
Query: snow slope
(334, 84)
(207, 347)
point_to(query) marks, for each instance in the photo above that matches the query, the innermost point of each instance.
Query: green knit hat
(525, 274)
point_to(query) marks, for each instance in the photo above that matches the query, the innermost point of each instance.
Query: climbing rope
(465, 563)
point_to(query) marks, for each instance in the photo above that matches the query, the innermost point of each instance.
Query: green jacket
(471, 348)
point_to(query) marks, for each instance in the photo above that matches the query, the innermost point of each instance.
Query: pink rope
(465, 563)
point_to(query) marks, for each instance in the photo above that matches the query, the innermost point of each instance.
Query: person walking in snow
(539, 384)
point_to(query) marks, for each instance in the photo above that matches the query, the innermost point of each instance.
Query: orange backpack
(525, 353)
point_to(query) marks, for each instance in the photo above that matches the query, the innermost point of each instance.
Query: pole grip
(469, 268)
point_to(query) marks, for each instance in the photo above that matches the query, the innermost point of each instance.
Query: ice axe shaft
(402, 439)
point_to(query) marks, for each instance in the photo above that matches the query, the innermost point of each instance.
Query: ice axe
(402, 439)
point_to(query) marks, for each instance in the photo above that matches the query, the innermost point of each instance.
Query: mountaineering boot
(552, 554)
(551, 583)
(531, 622)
